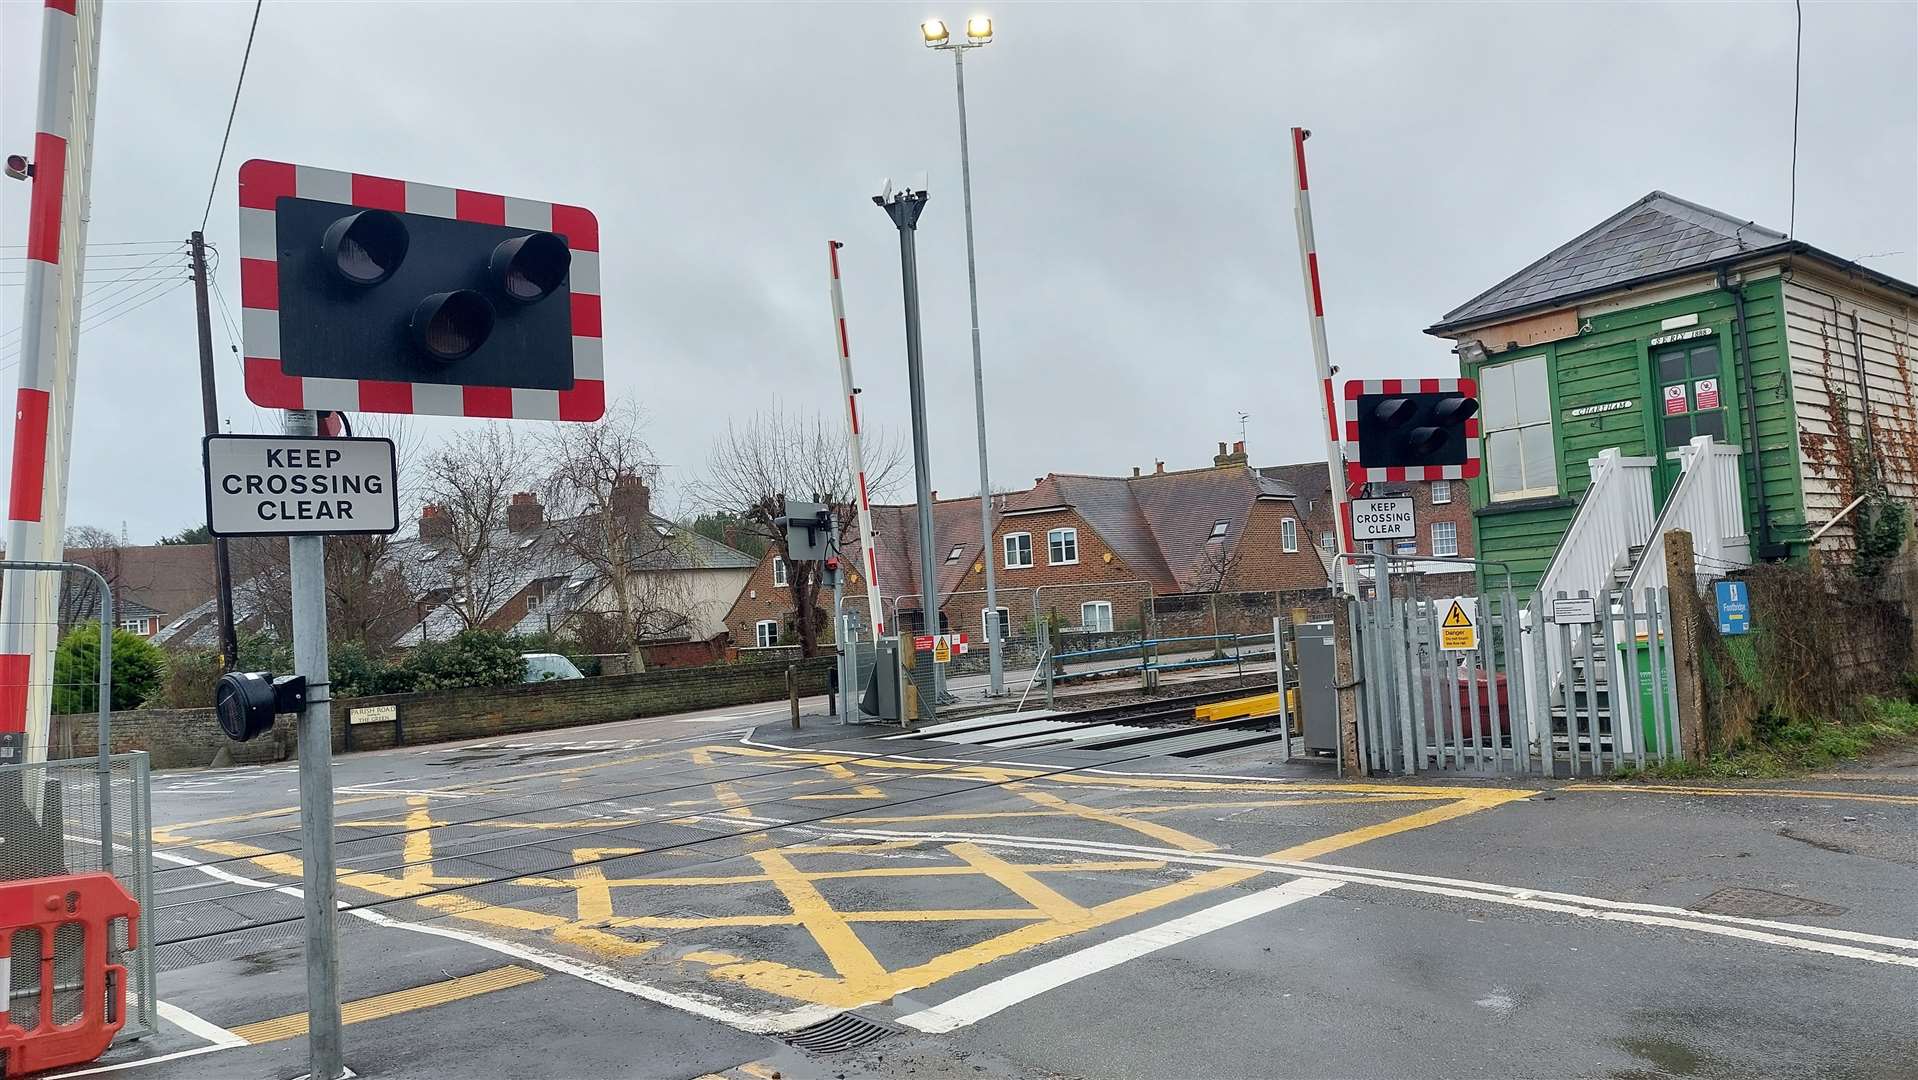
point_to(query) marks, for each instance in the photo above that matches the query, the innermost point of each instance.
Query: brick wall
(180, 738)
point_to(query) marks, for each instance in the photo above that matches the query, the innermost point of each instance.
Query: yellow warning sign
(942, 649)
(1458, 627)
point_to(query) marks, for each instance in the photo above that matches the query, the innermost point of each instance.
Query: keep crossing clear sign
(280, 485)
(1458, 624)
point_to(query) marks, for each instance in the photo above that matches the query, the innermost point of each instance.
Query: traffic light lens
(448, 326)
(528, 268)
(365, 248)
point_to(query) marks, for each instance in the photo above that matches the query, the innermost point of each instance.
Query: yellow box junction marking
(856, 975)
(402, 1001)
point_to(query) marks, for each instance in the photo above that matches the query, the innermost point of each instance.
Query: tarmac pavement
(714, 895)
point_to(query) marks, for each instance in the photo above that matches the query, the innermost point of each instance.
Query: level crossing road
(715, 895)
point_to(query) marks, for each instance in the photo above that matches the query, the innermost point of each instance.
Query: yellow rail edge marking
(402, 1001)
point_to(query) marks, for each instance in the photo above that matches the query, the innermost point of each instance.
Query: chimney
(435, 524)
(730, 536)
(632, 496)
(935, 494)
(1135, 472)
(1158, 467)
(524, 512)
(1227, 459)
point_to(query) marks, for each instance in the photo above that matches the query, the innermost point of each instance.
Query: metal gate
(1562, 686)
(81, 814)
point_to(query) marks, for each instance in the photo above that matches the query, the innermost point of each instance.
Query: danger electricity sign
(281, 485)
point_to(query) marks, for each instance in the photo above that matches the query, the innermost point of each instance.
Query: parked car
(547, 666)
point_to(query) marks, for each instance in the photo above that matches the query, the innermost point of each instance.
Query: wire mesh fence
(70, 817)
(56, 631)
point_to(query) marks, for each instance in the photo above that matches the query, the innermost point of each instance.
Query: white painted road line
(977, 1004)
(1755, 930)
(196, 1026)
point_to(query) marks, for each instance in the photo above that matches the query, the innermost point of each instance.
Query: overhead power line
(220, 162)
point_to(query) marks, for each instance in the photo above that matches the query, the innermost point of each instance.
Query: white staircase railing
(1614, 516)
(1709, 503)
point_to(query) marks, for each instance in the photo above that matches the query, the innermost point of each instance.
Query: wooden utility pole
(209, 409)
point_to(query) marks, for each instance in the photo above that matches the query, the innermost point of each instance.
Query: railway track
(1159, 728)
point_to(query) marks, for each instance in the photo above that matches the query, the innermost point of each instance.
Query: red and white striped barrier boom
(855, 455)
(1321, 355)
(43, 404)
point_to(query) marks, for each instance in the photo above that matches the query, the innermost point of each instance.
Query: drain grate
(1759, 903)
(837, 1034)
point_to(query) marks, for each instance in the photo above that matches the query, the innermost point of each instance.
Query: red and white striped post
(855, 455)
(43, 404)
(1321, 355)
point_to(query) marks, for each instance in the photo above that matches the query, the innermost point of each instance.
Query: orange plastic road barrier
(91, 902)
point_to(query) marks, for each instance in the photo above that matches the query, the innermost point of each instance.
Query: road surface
(690, 896)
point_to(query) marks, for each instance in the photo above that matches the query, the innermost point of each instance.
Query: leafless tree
(100, 549)
(471, 480)
(1216, 567)
(754, 466)
(600, 489)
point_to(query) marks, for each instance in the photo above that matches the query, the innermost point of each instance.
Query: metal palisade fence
(1568, 685)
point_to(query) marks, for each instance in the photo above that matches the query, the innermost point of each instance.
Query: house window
(1018, 550)
(1288, 534)
(134, 626)
(1444, 538)
(1441, 492)
(1218, 530)
(1096, 615)
(1405, 547)
(1062, 547)
(766, 633)
(779, 572)
(953, 555)
(985, 624)
(1516, 403)
(1329, 543)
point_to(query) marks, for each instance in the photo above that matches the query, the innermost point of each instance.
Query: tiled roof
(1159, 524)
(1658, 235)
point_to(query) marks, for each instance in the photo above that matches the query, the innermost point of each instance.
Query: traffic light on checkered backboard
(1411, 429)
(364, 294)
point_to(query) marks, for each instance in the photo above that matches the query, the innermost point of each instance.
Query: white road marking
(1757, 930)
(977, 1004)
(197, 1026)
(116, 1067)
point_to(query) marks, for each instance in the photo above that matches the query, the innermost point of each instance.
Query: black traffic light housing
(414, 298)
(1415, 429)
(245, 702)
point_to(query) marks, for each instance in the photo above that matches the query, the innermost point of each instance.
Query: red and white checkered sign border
(263, 183)
(1359, 474)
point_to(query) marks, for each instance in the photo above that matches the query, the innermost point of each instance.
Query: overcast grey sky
(1139, 281)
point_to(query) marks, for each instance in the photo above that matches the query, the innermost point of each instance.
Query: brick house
(1442, 508)
(763, 614)
(1086, 551)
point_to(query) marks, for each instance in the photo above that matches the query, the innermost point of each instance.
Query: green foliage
(138, 668)
(1784, 746)
(190, 678)
(1881, 525)
(469, 658)
(197, 534)
(357, 673)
